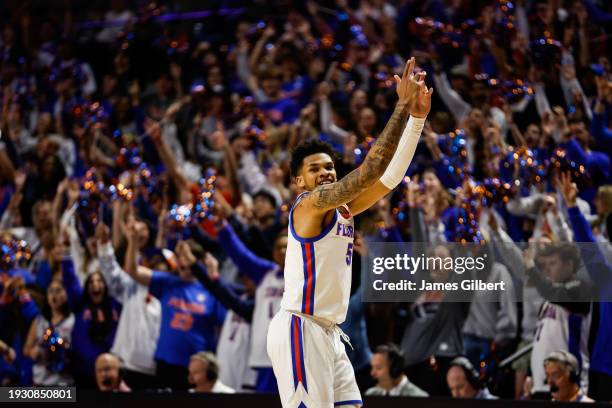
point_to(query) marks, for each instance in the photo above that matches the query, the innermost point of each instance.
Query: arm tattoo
(374, 165)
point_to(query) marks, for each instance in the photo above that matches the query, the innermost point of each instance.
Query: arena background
(533, 99)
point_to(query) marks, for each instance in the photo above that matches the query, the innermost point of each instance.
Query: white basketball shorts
(310, 364)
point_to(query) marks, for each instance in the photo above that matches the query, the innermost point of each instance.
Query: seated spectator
(464, 381)
(204, 374)
(388, 371)
(563, 375)
(108, 374)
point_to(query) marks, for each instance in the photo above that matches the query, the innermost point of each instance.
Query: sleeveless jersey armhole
(323, 233)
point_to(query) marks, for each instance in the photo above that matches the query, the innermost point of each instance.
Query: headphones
(470, 372)
(395, 357)
(121, 368)
(567, 359)
(212, 365)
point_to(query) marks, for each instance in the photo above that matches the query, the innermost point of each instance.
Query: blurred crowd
(145, 188)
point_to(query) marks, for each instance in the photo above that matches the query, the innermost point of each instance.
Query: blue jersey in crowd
(189, 316)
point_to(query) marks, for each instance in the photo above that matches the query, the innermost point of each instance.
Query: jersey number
(182, 321)
(349, 254)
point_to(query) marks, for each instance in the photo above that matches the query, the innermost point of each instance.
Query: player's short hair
(305, 149)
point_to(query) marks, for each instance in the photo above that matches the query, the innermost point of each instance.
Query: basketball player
(308, 357)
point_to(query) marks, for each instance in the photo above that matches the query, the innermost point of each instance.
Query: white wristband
(396, 170)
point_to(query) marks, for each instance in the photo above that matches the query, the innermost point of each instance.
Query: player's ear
(299, 180)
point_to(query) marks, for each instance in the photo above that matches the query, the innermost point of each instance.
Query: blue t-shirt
(189, 316)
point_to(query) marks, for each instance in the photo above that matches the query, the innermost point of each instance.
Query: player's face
(458, 384)
(317, 170)
(380, 367)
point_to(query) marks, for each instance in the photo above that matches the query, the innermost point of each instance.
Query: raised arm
(140, 274)
(248, 263)
(453, 101)
(330, 196)
(30, 347)
(168, 158)
(594, 260)
(71, 282)
(398, 166)
(209, 277)
(117, 280)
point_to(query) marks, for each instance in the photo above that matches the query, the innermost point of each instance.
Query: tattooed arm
(330, 196)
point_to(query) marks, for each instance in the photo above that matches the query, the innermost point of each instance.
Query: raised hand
(411, 89)
(129, 228)
(184, 254)
(153, 130)
(567, 188)
(212, 266)
(73, 191)
(431, 141)
(222, 210)
(529, 254)
(407, 86)
(413, 192)
(422, 103)
(20, 178)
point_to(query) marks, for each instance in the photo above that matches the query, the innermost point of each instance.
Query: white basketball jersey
(267, 303)
(233, 353)
(318, 270)
(558, 329)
